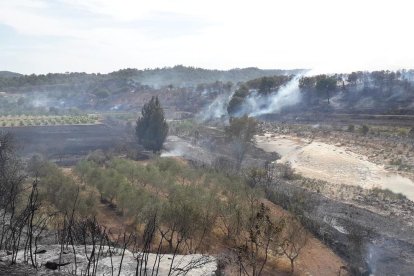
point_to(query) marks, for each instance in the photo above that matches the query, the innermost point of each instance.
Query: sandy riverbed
(334, 163)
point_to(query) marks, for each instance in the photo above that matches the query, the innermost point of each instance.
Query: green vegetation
(28, 120)
(61, 190)
(266, 85)
(119, 80)
(326, 85)
(389, 131)
(320, 86)
(237, 100)
(131, 186)
(196, 208)
(152, 128)
(166, 184)
(183, 127)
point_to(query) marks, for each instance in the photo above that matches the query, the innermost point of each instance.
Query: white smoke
(256, 104)
(216, 109)
(40, 101)
(173, 153)
(372, 257)
(286, 96)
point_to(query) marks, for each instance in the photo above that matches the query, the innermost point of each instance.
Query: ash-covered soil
(66, 144)
(109, 262)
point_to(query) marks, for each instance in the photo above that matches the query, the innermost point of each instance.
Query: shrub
(411, 132)
(388, 194)
(364, 129)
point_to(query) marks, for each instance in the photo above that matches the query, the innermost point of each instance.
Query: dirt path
(334, 163)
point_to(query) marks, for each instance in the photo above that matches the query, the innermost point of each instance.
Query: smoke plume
(257, 104)
(216, 109)
(286, 96)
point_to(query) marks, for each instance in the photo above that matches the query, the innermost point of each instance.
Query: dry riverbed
(334, 164)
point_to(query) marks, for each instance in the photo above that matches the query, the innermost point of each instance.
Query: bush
(387, 194)
(364, 129)
(168, 164)
(97, 156)
(286, 170)
(411, 132)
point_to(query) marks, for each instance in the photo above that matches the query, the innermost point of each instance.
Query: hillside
(178, 76)
(8, 74)
(189, 76)
(377, 92)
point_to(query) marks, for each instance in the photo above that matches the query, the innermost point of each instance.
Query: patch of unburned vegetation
(29, 120)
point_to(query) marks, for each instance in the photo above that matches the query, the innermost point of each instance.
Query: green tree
(353, 78)
(325, 85)
(237, 100)
(266, 84)
(152, 128)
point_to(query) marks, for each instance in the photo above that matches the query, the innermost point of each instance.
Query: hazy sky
(40, 36)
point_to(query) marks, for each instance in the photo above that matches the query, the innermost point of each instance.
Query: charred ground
(370, 113)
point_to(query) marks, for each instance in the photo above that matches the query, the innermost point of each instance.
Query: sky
(41, 36)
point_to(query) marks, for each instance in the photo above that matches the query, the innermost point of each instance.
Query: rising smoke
(286, 96)
(255, 104)
(217, 109)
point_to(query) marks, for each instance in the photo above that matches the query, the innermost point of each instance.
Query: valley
(332, 192)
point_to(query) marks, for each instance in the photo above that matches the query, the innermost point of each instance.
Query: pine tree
(152, 128)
